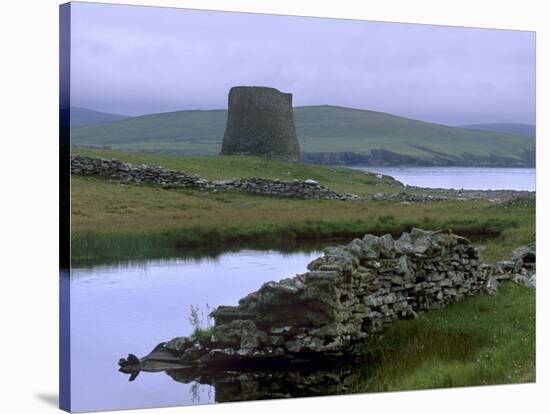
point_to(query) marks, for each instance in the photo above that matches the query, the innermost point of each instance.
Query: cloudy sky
(135, 60)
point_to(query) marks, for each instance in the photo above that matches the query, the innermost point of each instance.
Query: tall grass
(479, 341)
(90, 245)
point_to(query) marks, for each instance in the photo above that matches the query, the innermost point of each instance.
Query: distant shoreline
(352, 159)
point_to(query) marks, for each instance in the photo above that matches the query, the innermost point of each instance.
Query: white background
(29, 203)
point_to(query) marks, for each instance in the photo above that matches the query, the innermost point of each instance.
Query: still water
(117, 309)
(467, 178)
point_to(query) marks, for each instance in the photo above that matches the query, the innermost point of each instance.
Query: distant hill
(327, 134)
(518, 129)
(84, 116)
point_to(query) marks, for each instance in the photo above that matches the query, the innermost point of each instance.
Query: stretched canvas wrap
(261, 206)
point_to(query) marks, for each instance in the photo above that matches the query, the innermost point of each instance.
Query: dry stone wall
(145, 174)
(116, 169)
(349, 293)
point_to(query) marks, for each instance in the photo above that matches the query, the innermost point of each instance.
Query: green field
(227, 167)
(508, 128)
(320, 129)
(113, 219)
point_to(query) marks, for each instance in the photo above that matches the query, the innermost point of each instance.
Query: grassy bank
(479, 341)
(343, 180)
(113, 219)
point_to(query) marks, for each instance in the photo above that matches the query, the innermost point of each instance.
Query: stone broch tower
(260, 122)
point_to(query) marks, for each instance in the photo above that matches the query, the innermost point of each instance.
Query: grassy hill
(507, 128)
(84, 116)
(328, 134)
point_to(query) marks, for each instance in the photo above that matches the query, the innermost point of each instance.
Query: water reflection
(131, 305)
(292, 381)
(208, 253)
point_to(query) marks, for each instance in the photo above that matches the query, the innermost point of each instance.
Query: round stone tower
(260, 122)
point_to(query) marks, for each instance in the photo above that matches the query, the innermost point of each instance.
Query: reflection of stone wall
(260, 122)
(350, 293)
(326, 379)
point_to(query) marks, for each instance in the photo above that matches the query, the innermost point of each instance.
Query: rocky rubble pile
(441, 194)
(143, 174)
(115, 169)
(412, 197)
(349, 293)
(520, 268)
(309, 189)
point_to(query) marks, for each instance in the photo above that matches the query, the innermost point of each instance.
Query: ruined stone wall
(348, 294)
(145, 174)
(351, 292)
(260, 121)
(520, 268)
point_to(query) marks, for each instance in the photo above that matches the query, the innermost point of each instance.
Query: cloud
(135, 60)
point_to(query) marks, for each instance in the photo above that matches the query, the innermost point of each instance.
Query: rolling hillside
(518, 129)
(328, 134)
(84, 116)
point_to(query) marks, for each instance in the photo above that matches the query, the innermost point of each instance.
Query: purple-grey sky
(135, 60)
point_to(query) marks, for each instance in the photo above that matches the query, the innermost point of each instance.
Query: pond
(133, 306)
